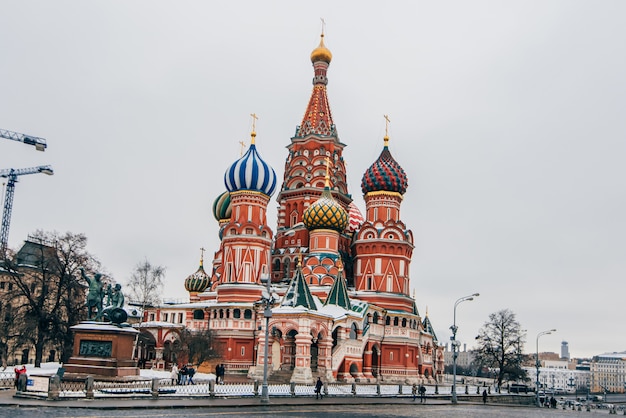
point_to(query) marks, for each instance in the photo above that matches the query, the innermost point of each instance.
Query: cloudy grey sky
(507, 116)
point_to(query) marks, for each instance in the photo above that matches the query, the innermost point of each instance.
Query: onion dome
(222, 209)
(355, 218)
(250, 172)
(321, 53)
(199, 281)
(326, 212)
(385, 174)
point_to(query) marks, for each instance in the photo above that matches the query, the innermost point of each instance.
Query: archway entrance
(314, 355)
(289, 350)
(375, 361)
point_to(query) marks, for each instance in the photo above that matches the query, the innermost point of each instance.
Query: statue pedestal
(103, 349)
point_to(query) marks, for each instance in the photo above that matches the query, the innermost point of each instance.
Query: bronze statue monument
(95, 295)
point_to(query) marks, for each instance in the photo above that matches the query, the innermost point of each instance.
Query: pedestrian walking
(174, 374)
(217, 374)
(422, 394)
(183, 375)
(414, 391)
(191, 372)
(318, 389)
(484, 396)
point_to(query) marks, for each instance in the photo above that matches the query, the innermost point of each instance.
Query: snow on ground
(48, 369)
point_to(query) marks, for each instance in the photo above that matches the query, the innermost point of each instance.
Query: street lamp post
(538, 363)
(455, 343)
(267, 314)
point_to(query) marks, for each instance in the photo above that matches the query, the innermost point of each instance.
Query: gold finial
(340, 265)
(253, 133)
(243, 146)
(202, 250)
(426, 310)
(327, 178)
(299, 260)
(386, 130)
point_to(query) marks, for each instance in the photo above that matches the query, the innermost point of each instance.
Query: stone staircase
(284, 376)
(280, 376)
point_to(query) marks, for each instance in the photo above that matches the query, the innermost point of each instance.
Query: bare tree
(500, 343)
(145, 284)
(47, 295)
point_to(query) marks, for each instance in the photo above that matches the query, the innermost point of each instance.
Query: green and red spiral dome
(385, 175)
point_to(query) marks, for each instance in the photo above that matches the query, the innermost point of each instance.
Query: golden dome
(321, 53)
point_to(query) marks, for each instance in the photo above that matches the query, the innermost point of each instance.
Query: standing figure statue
(114, 311)
(115, 297)
(95, 295)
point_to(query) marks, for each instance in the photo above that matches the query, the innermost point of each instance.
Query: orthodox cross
(386, 129)
(243, 145)
(323, 25)
(202, 250)
(254, 119)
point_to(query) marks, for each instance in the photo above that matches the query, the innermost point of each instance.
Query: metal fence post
(155, 388)
(54, 387)
(89, 387)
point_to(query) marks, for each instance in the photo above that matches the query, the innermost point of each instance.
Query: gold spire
(386, 138)
(253, 133)
(321, 53)
(202, 250)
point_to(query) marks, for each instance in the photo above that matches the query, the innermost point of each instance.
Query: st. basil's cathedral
(339, 281)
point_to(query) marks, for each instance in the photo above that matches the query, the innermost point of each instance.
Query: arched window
(395, 321)
(403, 322)
(237, 313)
(198, 314)
(353, 331)
(221, 313)
(375, 318)
(388, 320)
(247, 314)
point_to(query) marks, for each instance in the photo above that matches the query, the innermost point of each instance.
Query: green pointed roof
(428, 327)
(338, 294)
(298, 293)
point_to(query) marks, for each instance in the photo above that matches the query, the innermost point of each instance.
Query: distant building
(608, 372)
(464, 357)
(564, 350)
(559, 379)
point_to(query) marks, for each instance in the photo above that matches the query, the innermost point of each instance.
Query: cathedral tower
(315, 140)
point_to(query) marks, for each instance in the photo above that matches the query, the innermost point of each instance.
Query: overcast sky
(508, 118)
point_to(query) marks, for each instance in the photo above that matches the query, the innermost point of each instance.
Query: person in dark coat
(422, 394)
(217, 373)
(484, 396)
(318, 389)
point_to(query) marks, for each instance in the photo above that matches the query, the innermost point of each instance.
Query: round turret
(199, 281)
(222, 209)
(385, 175)
(250, 172)
(325, 213)
(321, 53)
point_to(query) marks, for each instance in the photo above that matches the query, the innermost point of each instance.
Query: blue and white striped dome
(250, 172)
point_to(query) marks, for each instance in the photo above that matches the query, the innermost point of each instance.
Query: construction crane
(39, 143)
(12, 175)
